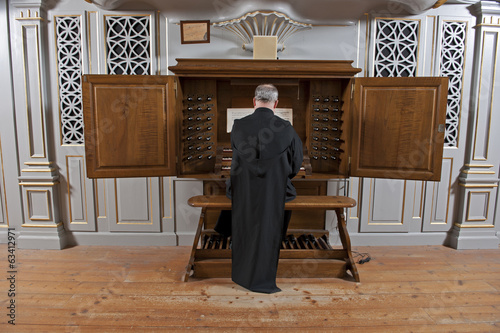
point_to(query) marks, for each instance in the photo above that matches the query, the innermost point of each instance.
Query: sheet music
(237, 113)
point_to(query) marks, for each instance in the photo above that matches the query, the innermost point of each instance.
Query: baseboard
(395, 239)
(53, 239)
(122, 239)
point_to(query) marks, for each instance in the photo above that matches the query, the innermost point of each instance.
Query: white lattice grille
(396, 46)
(452, 65)
(69, 64)
(128, 45)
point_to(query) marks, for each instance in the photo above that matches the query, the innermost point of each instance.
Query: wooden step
(301, 202)
(202, 254)
(287, 268)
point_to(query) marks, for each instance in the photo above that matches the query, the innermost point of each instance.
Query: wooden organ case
(146, 126)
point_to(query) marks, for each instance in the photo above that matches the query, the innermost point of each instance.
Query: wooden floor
(139, 289)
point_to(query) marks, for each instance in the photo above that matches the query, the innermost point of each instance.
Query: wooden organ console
(175, 125)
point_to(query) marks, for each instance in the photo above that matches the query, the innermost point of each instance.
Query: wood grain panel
(396, 127)
(129, 125)
(136, 125)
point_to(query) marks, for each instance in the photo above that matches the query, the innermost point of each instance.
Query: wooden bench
(305, 253)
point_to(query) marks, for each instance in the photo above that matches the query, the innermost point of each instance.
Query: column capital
(485, 8)
(31, 9)
(107, 4)
(43, 4)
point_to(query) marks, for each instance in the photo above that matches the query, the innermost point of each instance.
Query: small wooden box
(265, 47)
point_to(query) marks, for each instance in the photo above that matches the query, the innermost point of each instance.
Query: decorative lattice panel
(128, 41)
(453, 44)
(69, 64)
(396, 47)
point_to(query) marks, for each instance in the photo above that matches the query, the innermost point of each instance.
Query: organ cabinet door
(130, 126)
(398, 127)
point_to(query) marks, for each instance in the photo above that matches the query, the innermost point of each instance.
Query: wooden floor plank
(458, 328)
(494, 283)
(119, 289)
(220, 303)
(212, 287)
(426, 275)
(255, 316)
(470, 314)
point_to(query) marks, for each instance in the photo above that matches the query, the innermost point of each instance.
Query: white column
(478, 182)
(39, 179)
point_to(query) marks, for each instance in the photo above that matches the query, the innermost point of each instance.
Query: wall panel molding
(100, 198)
(167, 197)
(39, 205)
(478, 206)
(487, 89)
(438, 216)
(386, 205)
(353, 216)
(186, 217)
(33, 91)
(4, 214)
(134, 205)
(79, 195)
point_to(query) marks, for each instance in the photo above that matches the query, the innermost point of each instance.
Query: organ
(176, 125)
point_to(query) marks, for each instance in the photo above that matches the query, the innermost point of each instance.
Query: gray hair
(266, 93)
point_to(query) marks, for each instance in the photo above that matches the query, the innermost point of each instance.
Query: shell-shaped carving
(263, 23)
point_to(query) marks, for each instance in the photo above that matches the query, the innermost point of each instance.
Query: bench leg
(195, 244)
(346, 243)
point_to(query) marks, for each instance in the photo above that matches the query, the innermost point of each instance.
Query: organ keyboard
(224, 157)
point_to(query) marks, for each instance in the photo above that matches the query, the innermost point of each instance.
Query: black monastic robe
(267, 154)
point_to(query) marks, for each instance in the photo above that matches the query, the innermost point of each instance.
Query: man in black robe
(267, 154)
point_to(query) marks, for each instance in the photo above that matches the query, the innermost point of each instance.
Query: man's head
(266, 95)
